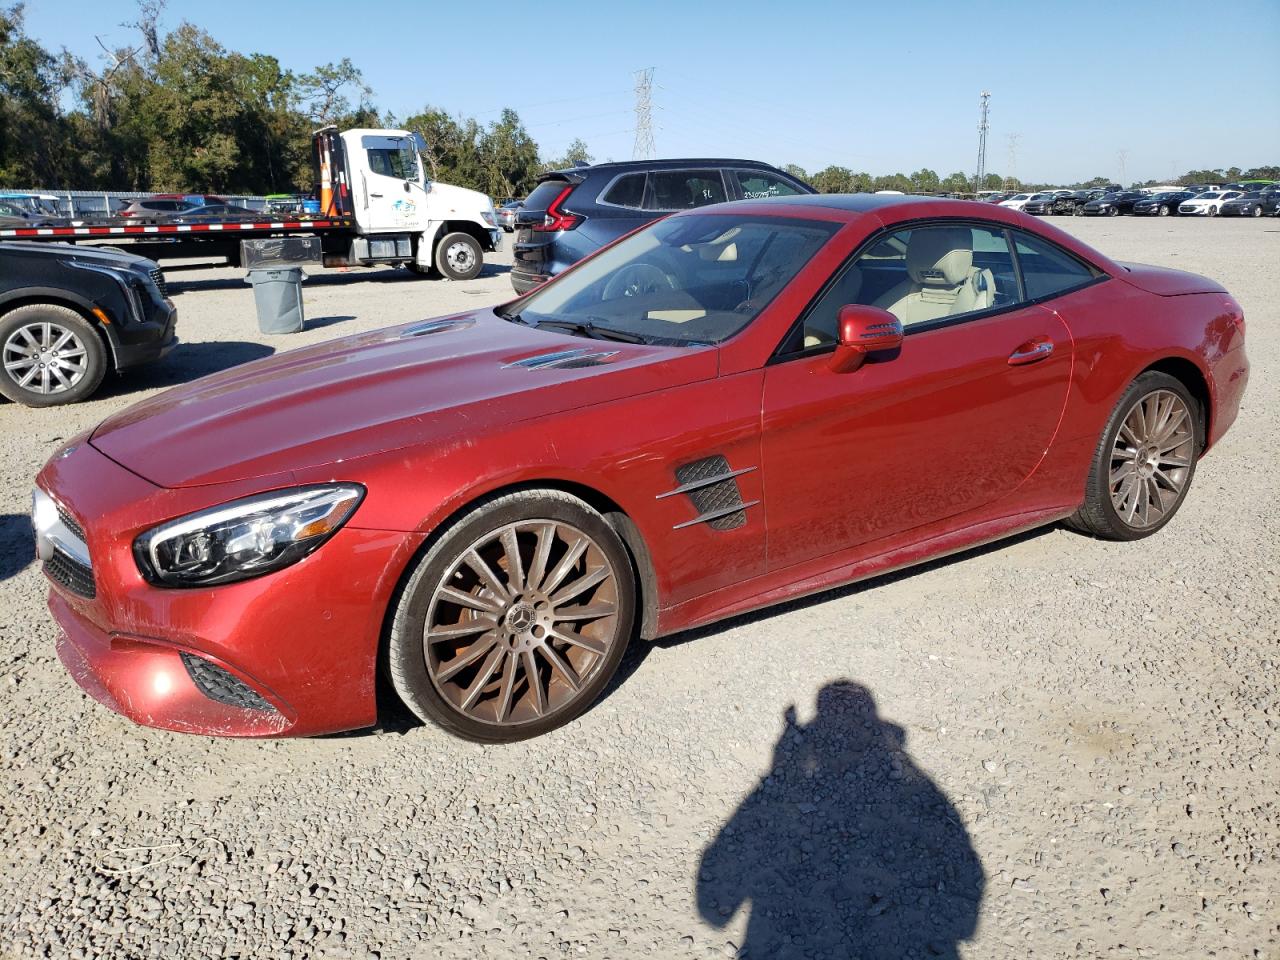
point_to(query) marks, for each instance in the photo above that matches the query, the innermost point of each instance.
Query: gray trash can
(278, 295)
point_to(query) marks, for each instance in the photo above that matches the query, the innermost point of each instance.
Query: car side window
(684, 189)
(756, 185)
(1047, 270)
(626, 191)
(922, 275)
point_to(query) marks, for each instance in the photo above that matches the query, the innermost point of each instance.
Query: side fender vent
(712, 487)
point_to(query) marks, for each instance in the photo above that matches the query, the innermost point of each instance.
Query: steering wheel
(638, 278)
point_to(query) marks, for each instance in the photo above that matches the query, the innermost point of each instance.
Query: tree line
(177, 112)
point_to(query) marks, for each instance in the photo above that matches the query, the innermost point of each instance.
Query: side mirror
(864, 330)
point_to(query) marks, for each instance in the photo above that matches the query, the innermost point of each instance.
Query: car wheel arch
(38, 296)
(613, 512)
(1189, 374)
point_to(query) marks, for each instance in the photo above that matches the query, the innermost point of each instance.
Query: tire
(1113, 212)
(1211, 212)
(473, 680)
(1163, 211)
(1102, 513)
(36, 377)
(458, 256)
(1079, 211)
(1257, 211)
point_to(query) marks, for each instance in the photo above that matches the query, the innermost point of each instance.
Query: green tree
(508, 157)
(796, 171)
(833, 179)
(577, 154)
(453, 147)
(32, 126)
(894, 181)
(925, 181)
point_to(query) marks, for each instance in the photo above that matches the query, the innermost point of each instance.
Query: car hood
(69, 251)
(437, 383)
(458, 200)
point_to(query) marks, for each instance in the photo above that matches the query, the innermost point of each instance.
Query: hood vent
(564, 359)
(438, 326)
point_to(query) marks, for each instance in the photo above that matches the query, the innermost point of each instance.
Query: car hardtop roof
(872, 203)
(676, 163)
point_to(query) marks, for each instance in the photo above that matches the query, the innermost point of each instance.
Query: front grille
(217, 684)
(715, 496)
(158, 278)
(71, 524)
(71, 573)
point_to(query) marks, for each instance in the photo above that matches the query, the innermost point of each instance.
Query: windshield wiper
(590, 328)
(512, 317)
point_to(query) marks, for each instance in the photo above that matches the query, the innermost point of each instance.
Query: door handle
(1030, 352)
(376, 195)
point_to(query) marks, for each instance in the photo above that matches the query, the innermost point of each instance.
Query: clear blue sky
(886, 88)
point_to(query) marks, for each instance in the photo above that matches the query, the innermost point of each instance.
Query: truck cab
(378, 178)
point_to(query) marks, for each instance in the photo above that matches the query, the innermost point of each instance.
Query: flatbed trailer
(377, 207)
(165, 241)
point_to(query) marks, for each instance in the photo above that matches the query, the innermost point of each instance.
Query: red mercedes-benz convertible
(727, 408)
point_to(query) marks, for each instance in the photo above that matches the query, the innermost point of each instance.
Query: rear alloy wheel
(459, 257)
(51, 355)
(1145, 461)
(515, 620)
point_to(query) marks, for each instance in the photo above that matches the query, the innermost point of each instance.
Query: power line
(644, 148)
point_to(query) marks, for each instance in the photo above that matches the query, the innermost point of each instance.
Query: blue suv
(574, 212)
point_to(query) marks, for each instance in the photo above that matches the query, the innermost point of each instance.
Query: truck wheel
(51, 355)
(458, 256)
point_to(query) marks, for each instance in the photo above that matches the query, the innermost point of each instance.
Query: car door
(957, 419)
(391, 193)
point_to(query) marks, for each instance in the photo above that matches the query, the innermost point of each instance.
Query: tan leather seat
(941, 278)
(826, 314)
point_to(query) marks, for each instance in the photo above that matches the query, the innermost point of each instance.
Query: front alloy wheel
(51, 355)
(516, 619)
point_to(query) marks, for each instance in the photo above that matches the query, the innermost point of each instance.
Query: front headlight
(245, 538)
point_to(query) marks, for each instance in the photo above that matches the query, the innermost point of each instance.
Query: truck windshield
(688, 280)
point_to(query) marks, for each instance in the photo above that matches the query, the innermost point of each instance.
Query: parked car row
(1230, 201)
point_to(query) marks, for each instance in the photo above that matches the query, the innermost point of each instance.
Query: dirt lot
(1052, 748)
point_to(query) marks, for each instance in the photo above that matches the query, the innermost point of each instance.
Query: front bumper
(289, 653)
(142, 343)
(495, 239)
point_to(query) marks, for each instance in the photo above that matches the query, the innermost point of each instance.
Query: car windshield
(1252, 195)
(695, 279)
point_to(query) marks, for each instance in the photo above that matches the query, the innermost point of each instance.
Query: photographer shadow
(845, 849)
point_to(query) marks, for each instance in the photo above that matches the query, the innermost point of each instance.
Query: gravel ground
(1055, 747)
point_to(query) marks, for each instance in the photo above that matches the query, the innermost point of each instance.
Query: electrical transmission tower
(982, 144)
(1011, 178)
(644, 148)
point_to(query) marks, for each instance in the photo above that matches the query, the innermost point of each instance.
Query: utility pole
(982, 144)
(1011, 178)
(644, 148)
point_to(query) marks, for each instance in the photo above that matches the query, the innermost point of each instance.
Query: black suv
(574, 212)
(68, 314)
